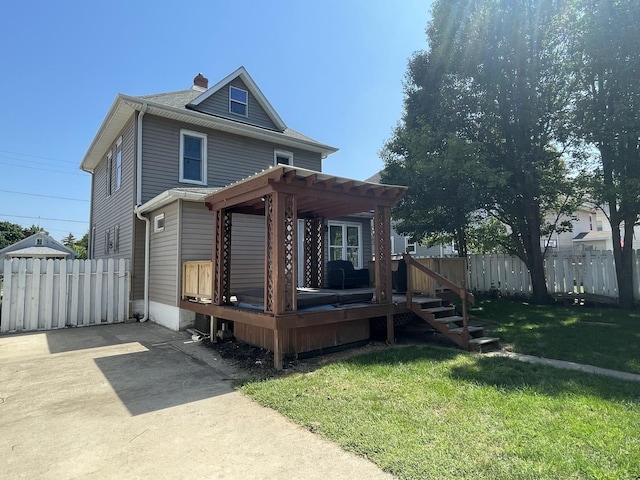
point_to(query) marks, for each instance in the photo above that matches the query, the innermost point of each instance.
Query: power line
(37, 156)
(44, 218)
(41, 169)
(46, 196)
(35, 162)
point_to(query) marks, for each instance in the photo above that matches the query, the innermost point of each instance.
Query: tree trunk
(531, 243)
(624, 266)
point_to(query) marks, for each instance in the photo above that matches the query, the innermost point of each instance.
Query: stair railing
(459, 290)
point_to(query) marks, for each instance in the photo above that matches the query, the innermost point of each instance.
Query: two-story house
(156, 157)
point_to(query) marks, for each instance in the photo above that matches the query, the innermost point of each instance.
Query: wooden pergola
(284, 194)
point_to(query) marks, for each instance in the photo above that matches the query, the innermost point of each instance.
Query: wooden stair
(443, 318)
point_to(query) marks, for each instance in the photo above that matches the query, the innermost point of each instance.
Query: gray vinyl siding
(230, 157)
(137, 273)
(247, 251)
(163, 261)
(218, 104)
(247, 243)
(114, 213)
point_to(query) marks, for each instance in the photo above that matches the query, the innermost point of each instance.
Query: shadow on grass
(502, 374)
(604, 337)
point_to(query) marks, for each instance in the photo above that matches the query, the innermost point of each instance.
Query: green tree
(494, 79)
(605, 49)
(69, 240)
(10, 233)
(33, 229)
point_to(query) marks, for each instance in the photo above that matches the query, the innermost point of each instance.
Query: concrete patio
(140, 401)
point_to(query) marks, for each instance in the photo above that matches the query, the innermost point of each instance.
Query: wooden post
(407, 260)
(277, 350)
(382, 227)
(213, 329)
(391, 338)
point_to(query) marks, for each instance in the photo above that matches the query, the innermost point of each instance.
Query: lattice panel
(225, 281)
(217, 254)
(308, 252)
(289, 253)
(270, 232)
(319, 252)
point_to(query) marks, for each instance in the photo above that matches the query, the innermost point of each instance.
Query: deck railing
(413, 270)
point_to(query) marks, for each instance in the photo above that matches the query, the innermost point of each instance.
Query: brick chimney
(200, 81)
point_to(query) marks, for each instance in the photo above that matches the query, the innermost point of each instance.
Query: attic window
(38, 241)
(238, 101)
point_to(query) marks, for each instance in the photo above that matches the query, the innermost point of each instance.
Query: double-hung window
(345, 242)
(238, 101)
(193, 157)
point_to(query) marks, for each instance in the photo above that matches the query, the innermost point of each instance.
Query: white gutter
(147, 230)
(146, 262)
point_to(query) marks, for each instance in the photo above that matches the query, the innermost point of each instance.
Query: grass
(427, 412)
(604, 337)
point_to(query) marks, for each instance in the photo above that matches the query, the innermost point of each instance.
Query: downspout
(139, 215)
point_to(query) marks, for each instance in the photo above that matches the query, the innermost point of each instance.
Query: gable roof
(176, 105)
(28, 245)
(253, 88)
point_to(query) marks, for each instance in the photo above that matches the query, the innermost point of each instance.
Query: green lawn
(605, 337)
(427, 412)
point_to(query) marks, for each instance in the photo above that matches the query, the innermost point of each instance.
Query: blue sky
(332, 69)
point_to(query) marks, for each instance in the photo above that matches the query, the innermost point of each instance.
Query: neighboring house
(404, 244)
(154, 160)
(38, 245)
(590, 230)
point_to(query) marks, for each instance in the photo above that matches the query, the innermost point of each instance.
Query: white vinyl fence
(47, 294)
(591, 272)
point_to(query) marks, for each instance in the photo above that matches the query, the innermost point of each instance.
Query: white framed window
(280, 157)
(118, 163)
(599, 225)
(238, 101)
(109, 172)
(158, 223)
(38, 241)
(193, 157)
(409, 246)
(345, 242)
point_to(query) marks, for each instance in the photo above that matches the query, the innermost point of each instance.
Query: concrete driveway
(139, 401)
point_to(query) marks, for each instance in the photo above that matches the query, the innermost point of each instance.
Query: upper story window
(38, 241)
(238, 101)
(193, 157)
(118, 163)
(282, 158)
(109, 172)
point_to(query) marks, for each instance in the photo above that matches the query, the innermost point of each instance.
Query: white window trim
(282, 153)
(407, 244)
(156, 221)
(202, 136)
(344, 226)
(118, 164)
(246, 105)
(109, 172)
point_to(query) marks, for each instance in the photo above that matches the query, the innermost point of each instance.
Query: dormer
(237, 97)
